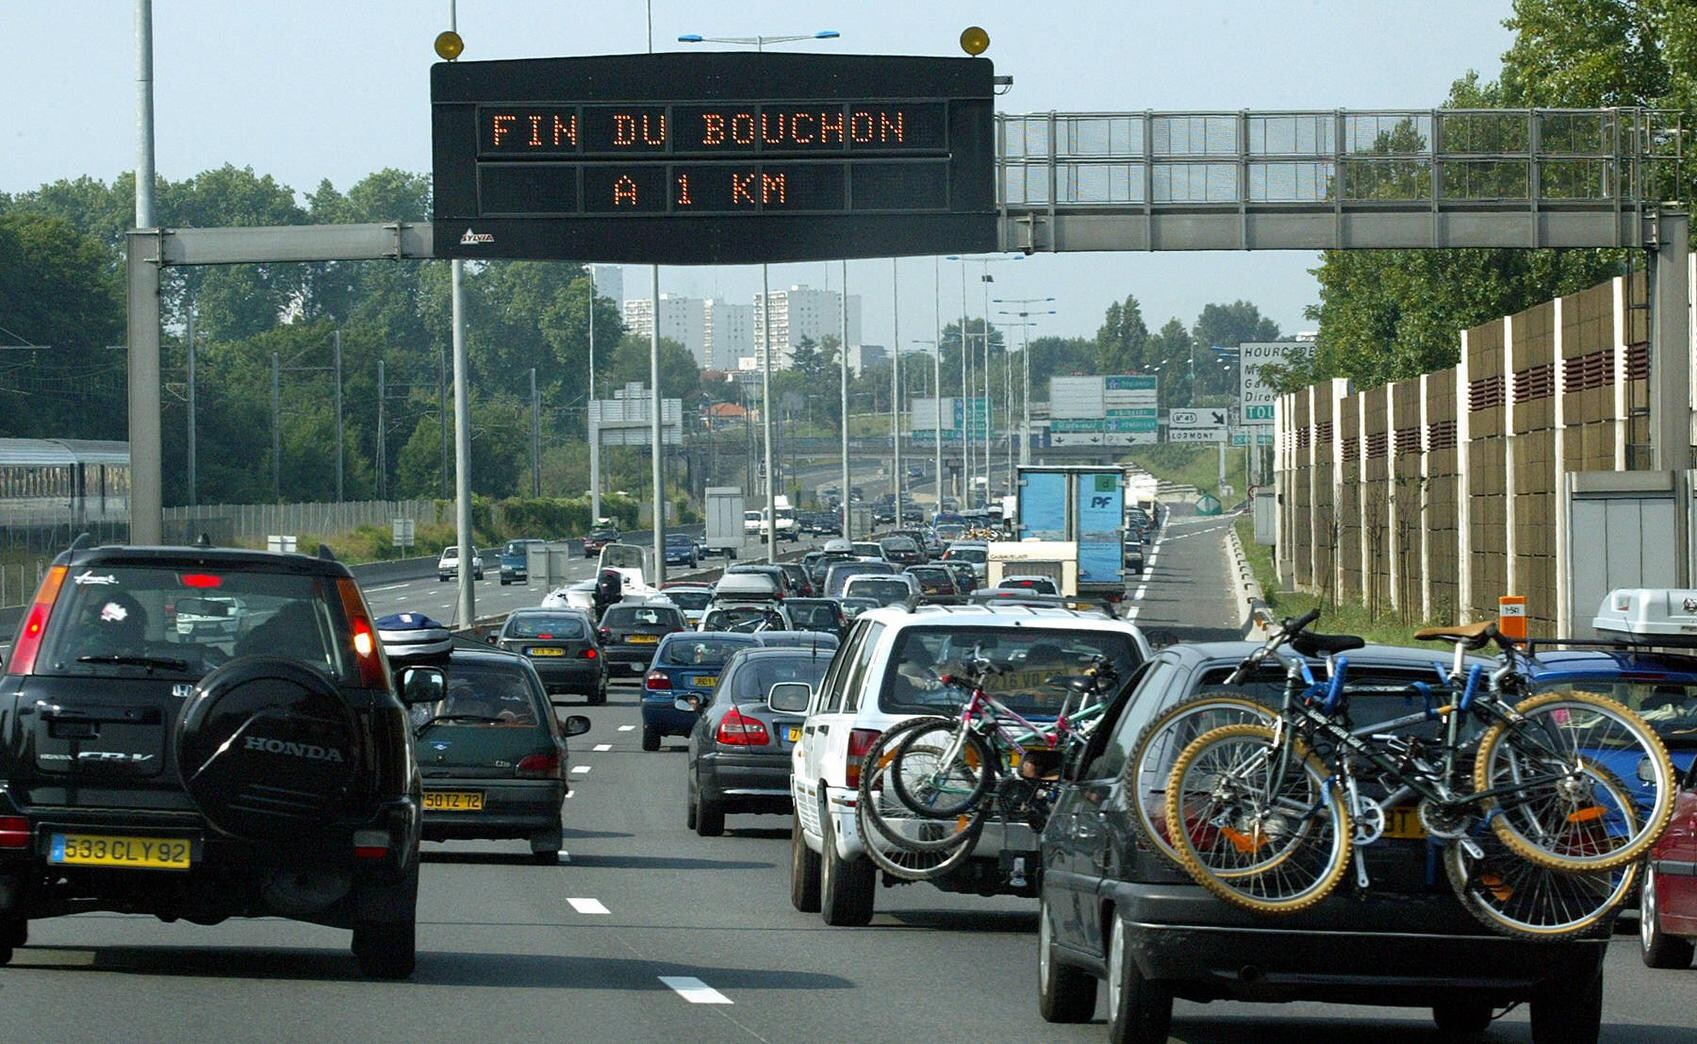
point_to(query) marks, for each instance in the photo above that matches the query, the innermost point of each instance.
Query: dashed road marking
(627, 728)
(580, 770)
(603, 746)
(694, 990)
(588, 906)
(386, 587)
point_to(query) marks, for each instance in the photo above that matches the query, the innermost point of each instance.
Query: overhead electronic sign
(730, 158)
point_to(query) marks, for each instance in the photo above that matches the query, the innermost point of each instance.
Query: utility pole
(189, 334)
(339, 455)
(535, 438)
(766, 415)
(965, 404)
(937, 370)
(442, 416)
(467, 612)
(276, 428)
(895, 384)
(382, 435)
(590, 429)
(842, 359)
(658, 458)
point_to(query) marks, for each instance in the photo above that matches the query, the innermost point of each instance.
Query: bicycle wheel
(1523, 900)
(1549, 802)
(892, 819)
(888, 838)
(1267, 841)
(1158, 745)
(942, 771)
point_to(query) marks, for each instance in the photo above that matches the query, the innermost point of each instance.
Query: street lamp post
(1025, 364)
(986, 279)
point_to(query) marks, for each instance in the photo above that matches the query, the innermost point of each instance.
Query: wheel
(545, 846)
(1270, 847)
(650, 738)
(804, 870)
(892, 818)
(1139, 1011)
(845, 885)
(942, 771)
(386, 951)
(1526, 901)
(1463, 1018)
(505, 581)
(689, 809)
(1064, 993)
(441, 579)
(1569, 1014)
(1553, 816)
(1657, 948)
(15, 932)
(709, 819)
(1156, 747)
(599, 696)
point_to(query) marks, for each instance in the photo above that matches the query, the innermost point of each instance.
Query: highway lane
(1186, 591)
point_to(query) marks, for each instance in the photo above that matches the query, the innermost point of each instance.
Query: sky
(311, 89)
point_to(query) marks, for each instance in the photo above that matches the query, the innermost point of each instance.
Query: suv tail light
(14, 832)
(737, 729)
(860, 741)
(604, 632)
(589, 653)
(35, 623)
(656, 681)
(539, 766)
(368, 652)
(371, 844)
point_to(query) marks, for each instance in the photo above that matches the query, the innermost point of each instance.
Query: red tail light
(368, 651)
(29, 639)
(590, 653)
(539, 766)
(656, 681)
(737, 729)
(604, 632)
(860, 741)
(14, 832)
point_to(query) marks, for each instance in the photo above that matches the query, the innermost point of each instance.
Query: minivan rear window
(135, 620)
(560, 626)
(1036, 666)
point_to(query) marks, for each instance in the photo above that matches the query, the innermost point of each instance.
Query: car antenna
(325, 554)
(85, 539)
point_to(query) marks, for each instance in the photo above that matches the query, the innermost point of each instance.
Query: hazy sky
(312, 89)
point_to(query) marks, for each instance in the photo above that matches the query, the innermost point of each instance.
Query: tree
(679, 377)
(1122, 341)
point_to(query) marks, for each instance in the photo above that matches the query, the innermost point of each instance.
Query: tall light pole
(1025, 315)
(590, 430)
(449, 47)
(759, 44)
(842, 360)
(896, 385)
(986, 279)
(937, 368)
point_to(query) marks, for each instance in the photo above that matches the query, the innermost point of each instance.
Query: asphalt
(646, 932)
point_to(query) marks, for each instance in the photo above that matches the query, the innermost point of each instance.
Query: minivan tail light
(589, 653)
(860, 741)
(368, 652)
(539, 766)
(35, 623)
(14, 832)
(656, 681)
(737, 729)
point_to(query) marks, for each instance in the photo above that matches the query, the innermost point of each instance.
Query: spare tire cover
(268, 748)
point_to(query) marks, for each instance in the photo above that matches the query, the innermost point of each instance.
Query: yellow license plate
(147, 853)
(707, 681)
(453, 800)
(795, 733)
(1404, 823)
(547, 652)
(644, 639)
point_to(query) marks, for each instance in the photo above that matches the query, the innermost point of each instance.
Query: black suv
(264, 768)
(1113, 907)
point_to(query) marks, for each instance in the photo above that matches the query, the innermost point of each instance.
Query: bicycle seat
(1310, 644)
(1471, 636)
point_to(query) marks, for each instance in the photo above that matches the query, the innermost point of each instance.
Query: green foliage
(1122, 342)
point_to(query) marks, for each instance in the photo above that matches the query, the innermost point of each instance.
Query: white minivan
(888, 671)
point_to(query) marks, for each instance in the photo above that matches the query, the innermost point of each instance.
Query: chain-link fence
(247, 523)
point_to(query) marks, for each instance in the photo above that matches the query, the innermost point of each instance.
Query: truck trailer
(1083, 505)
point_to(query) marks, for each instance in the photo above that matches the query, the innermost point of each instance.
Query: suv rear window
(692, 600)
(755, 675)
(130, 620)
(547, 625)
(975, 555)
(641, 616)
(704, 651)
(812, 614)
(1036, 666)
(885, 589)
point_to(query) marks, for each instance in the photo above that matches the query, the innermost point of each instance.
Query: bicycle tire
(906, 864)
(1317, 850)
(1522, 900)
(943, 791)
(1157, 745)
(893, 819)
(1544, 721)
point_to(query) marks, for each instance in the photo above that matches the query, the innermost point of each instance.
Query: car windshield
(899, 545)
(1036, 666)
(483, 695)
(640, 616)
(883, 590)
(755, 675)
(559, 626)
(745, 618)
(975, 555)
(679, 541)
(699, 651)
(695, 601)
(1669, 707)
(125, 620)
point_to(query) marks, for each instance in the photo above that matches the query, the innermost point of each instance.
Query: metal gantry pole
(895, 386)
(842, 358)
(535, 437)
(766, 416)
(340, 456)
(989, 402)
(590, 428)
(188, 335)
(655, 430)
(144, 114)
(143, 262)
(937, 370)
(462, 451)
(382, 433)
(965, 402)
(276, 428)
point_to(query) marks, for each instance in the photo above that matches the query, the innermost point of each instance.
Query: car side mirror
(576, 725)
(493, 639)
(422, 685)
(789, 697)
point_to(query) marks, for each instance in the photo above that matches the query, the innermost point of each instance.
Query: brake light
(860, 741)
(539, 766)
(590, 653)
(368, 653)
(656, 681)
(35, 623)
(604, 632)
(737, 729)
(201, 581)
(14, 832)
(544, 637)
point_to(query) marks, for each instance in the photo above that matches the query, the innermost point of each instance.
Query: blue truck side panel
(1101, 517)
(1043, 506)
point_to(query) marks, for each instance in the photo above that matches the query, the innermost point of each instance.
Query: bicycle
(1267, 816)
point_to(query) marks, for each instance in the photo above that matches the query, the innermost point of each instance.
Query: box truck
(1083, 505)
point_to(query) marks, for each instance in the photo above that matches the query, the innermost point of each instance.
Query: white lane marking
(1129, 617)
(565, 856)
(588, 906)
(386, 587)
(580, 770)
(603, 746)
(1142, 589)
(694, 990)
(627, 728)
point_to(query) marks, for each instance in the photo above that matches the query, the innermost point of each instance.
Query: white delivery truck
(724, 531)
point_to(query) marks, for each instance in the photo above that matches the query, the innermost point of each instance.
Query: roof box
(1653, 616)
(746, 585)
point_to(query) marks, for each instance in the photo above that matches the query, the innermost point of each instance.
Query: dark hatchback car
(1113, 907)
(684, 665)
(817, 614)
(801, 584)
(785, 580)
(682, 550)
(263, 770)
(515, 561)
(936, 585)
(902, 551)
(598, 539)
(739, 751)
(492, 753)
(561, 645)
(629, 634)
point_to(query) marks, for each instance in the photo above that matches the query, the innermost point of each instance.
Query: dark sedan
(800, 582)
(681, 550)
(684, 665)
(630, 633)
(966, 578)
(739, 751)
(561, 646)
(598, 539)
(901, 550)
(936, 585)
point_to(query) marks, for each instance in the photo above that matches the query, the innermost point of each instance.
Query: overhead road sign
(1253, 391)
(1200, 417)
(1196, 434)
(717, 158)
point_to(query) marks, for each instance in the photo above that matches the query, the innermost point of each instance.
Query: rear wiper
(163, 662)
(482, 718)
